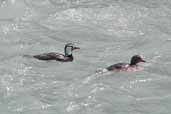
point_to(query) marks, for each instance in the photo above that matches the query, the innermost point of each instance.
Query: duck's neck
(69, 55)
(133, 64)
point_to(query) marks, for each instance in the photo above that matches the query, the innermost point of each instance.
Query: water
(107, 31)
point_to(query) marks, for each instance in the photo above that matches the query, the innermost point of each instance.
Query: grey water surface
(107, 31)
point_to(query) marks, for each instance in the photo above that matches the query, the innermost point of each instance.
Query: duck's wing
(118, 66)
(49, 56)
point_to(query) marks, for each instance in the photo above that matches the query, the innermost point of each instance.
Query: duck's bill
(143, 61)
(76, 48)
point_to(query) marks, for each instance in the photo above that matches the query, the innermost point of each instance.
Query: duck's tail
(28, 56)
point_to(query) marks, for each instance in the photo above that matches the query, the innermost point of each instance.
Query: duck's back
(118, 66)
(49, 56)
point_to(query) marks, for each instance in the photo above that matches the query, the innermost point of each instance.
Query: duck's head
(69, 48)
(136, 59)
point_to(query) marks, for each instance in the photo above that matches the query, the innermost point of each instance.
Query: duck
(66, 57)
(132, 66)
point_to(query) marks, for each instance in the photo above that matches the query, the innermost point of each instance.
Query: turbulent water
(107, 31)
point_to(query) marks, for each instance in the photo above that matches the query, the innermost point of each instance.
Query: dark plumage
(58, 56)
(127, 66)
